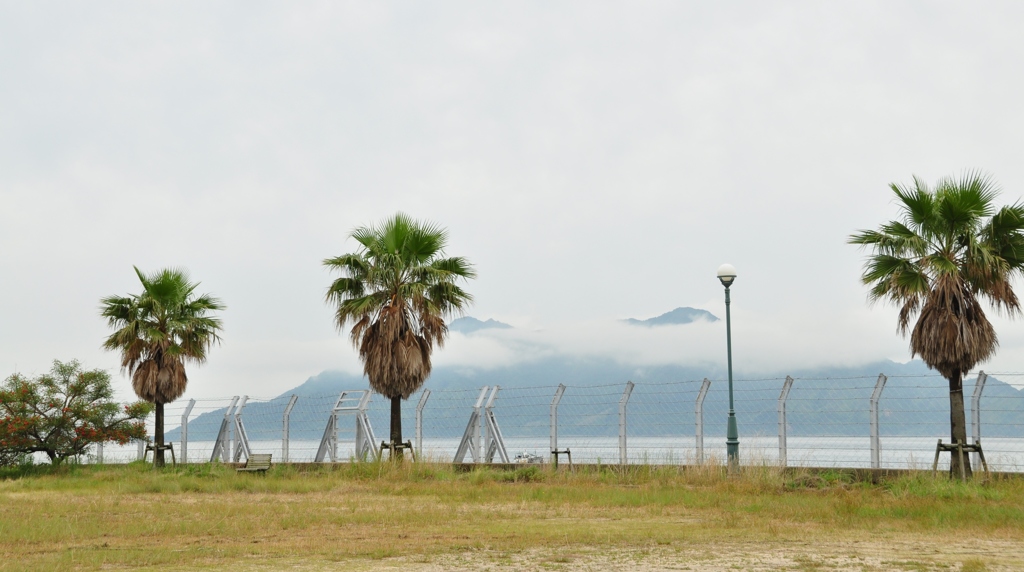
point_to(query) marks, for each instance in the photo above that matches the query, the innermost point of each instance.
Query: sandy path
(913, 555)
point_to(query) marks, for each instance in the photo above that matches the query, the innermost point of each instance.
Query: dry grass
(429, 517)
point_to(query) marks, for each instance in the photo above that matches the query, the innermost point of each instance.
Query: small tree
(65, 411)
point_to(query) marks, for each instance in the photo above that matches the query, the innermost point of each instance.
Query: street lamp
(727, 275)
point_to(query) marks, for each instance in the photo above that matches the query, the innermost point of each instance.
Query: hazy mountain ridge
(469, 324)
(823, 401)
(682, 315)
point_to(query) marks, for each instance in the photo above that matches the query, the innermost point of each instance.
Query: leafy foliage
(63, 412)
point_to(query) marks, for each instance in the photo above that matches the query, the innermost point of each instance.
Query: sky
(594, 160)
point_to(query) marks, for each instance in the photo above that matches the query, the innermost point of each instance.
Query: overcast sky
(596, 161)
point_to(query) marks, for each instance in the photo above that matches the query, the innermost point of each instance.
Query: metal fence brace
(222, 446)
(782, 419)
(554, 418)
(876, 441)
(698, 411)
(419, 422)
(241, 436)
(622, 421)
(979, 387)
(329, 442)
(184, 430)
(494, 442)
(348, 402)
(286, 426)
(472, 441)
(366, 442)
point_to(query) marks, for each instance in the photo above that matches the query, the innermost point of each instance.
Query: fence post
(184, 430)
(554, 418)
(99, 453)
(141, 444)
(876, 441)
(979, 386)
(698, 415)
(286, 426)
(419, 422)
(622, 421)
(782, 419)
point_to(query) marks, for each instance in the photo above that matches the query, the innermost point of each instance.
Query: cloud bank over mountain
(758, 345)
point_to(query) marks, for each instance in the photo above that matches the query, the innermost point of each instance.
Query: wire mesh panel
(1001, 413)
(445, 416)
(660, 422)
(588, 422)
(263, 420)
(756, 406)
(914, 415)
(307, 423)
(523, 415)
(827, 422)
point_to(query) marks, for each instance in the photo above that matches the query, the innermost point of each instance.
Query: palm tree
(156, 332)
(397, 291)
(949, 248)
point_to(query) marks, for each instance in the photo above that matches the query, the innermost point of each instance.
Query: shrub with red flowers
(63, 412)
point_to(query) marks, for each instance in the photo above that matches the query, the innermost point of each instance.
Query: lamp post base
(732, 444)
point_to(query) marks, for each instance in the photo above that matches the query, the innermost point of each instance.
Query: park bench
(256, 464)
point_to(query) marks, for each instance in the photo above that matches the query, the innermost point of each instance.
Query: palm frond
(918, 204)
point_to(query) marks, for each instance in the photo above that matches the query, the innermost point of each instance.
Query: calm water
(847, 452)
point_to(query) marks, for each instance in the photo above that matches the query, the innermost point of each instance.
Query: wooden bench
(256, 464)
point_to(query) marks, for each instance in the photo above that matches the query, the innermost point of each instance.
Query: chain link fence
(853, 422)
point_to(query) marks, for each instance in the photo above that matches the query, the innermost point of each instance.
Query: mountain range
(469, 324)
(678, 316)
(822, 401)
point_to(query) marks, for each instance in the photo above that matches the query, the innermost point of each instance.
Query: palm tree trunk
(396, 427)
(957, 423)
(158, 454)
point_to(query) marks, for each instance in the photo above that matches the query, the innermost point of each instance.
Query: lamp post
(727, 275)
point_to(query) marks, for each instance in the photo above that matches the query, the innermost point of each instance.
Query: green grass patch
(209, 516)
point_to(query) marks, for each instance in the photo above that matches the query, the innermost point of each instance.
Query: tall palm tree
(156, 332)
(397, 291)
(949, 247)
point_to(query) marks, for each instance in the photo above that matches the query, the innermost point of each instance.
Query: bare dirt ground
(855, 556)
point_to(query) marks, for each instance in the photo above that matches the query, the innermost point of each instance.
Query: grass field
(373, 516)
